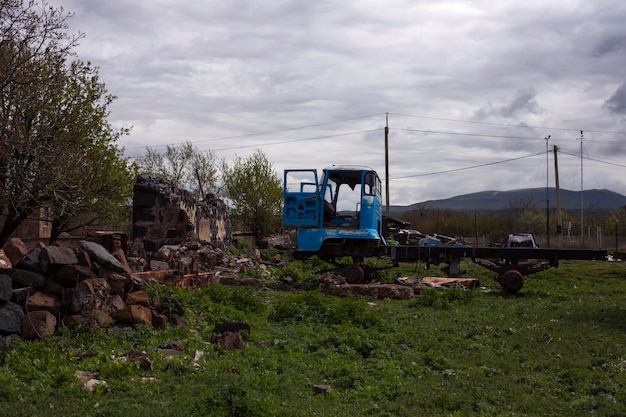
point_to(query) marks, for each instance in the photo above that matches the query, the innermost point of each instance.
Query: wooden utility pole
(387, 164)
(582, 219)
(559, 220)
(547, 193)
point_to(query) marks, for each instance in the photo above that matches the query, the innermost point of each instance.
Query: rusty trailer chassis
(510, 264)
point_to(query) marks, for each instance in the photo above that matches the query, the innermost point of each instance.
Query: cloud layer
(312, 84)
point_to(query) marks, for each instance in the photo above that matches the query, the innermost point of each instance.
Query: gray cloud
(523, 101)
(617, 102)
(464, 83)
(610, 45)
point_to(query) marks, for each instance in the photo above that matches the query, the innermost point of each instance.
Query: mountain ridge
(493, 200)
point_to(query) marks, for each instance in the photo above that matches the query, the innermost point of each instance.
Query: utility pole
(547, 192)
(387, 164)
(559, 220)
(582, 227)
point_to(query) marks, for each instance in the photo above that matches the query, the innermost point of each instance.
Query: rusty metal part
(354, 273)
(511, 281)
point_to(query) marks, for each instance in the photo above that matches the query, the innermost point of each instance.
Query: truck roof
(349, 168)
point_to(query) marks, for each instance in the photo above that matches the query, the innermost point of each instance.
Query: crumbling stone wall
(166, 215)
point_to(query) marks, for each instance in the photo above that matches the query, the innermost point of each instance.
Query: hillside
(501, 200)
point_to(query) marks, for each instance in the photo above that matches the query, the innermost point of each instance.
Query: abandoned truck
(340, 214)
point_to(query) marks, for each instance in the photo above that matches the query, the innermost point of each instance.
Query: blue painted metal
(326, 222)
(302, 205)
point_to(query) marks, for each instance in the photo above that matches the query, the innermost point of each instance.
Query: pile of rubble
(402, 289)
(86, 287)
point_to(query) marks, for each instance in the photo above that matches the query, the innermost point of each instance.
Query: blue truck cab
(339, 214)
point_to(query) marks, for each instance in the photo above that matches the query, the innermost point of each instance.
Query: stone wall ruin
(164, 214)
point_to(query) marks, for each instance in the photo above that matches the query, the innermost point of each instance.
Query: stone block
(73, 300)
(23, 278)
(40, 301)
(5, 262)
(143, 199)
(102, 319)
(121, 257)
(11, 316)
(159, 321)
(101, 256)
(6, 288)
(38, 324)
(31, 261)
(138, 298)
(15, 249)
(119, 283)
(135, 314)
(70, 275)
(54, 257)
(74, 321)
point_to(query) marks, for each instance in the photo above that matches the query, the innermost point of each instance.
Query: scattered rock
(70, 275)
(138, 298)
(31, 261)
(159, 321)
(40, 301)
(231, 326)
(337, 286)
(5, 262)
(15, 249)
(11, 316)
(134, 314)
(171, 348)
(322, 389)
(101, 256)
(6, 288)
(89, 379)
(38, 324)
(142, 358)
(229, 341)
(52, 258)
(23, 278)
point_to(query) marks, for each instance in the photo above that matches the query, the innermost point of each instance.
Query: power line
(468, 168)
(441, 132)
(595, 159)
(294, 140)
(507, 125)
(397, 129)
(268, 132)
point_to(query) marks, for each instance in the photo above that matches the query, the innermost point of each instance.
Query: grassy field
(557, 348)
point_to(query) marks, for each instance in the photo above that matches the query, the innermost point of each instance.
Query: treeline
(495, 227)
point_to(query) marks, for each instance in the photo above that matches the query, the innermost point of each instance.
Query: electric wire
(288, 129)
(508, 125)
(467, 168)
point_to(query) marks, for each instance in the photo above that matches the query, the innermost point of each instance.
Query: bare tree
(184, 166)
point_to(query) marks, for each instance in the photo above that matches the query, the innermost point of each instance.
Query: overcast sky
(471, 88)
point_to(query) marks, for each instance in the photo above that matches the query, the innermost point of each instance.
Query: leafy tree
(56, 145)
(533, 220)
(184, 166)
(256, 194)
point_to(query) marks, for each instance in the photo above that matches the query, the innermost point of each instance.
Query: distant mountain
(485, 201)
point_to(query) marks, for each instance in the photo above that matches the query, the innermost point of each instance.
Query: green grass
(556, 348)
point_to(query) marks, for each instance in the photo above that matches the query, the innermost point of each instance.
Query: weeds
(556, 348)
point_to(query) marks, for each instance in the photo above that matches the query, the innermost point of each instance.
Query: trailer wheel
(512, 281)
(353, 273)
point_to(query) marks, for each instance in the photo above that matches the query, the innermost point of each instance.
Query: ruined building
(166, 215)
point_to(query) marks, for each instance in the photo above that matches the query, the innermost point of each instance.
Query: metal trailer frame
(510, 264)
